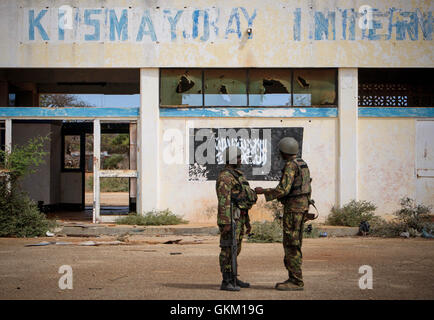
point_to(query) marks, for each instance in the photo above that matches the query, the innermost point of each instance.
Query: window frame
(82, 149)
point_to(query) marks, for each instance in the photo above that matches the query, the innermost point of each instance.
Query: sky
(104, 100)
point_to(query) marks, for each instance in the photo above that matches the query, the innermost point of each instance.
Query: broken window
(181, 87)
(71, 152)
(314, 87)
(225, 87)
(270, 87)
(248, 87)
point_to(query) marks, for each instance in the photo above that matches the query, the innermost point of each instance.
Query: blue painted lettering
(297, 24)
(146, 22)
(234, 16)
(37, 23)
(196, 15)
(173, 21)
(95, 36)
(121, 25)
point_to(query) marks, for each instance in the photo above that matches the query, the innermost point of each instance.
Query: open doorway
(77, 182)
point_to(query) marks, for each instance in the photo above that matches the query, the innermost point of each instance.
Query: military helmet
(288, 145)
(231, 154)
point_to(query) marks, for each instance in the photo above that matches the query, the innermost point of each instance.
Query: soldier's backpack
(246, 197)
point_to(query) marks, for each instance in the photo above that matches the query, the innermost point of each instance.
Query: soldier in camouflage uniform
(227, 186)
(293, 192)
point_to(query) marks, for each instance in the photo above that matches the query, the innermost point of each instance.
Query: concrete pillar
(148, 142)
(133, 166)
(348, 120)
(96, 168)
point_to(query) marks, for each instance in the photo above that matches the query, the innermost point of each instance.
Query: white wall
(386, 161)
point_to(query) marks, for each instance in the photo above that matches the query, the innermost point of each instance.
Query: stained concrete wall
(386, 157)
(44, 184)
(197, 200)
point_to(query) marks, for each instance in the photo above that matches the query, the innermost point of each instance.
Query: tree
(61, 101)
(19, 215)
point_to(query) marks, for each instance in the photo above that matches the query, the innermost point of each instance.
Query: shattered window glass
(225, 87)
(270, 87)
(314, 87)
(181, 87)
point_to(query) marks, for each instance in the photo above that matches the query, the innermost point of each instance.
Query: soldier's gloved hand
(227, 228)
(259, 190)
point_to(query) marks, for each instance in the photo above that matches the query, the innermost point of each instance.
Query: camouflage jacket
(227, 187)
(295, 204)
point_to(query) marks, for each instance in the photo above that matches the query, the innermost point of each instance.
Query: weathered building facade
(351, 80)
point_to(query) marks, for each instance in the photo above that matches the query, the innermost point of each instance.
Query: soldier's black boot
(243, 284)
(227, 283)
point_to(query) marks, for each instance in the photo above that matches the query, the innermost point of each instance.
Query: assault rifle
(234, 247)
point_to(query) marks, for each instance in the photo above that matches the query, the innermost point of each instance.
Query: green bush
(19, 215)
(271, 231)
(109, 184)
(276, 208)
(413, 215)
(266, 231)
(411, 218)
(112, 161)
(352, 214)
(153, 218)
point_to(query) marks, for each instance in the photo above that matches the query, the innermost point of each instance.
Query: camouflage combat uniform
(226, 187)
(293, 219)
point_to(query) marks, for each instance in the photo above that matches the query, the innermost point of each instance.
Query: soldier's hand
(227, 228)
(259, 190)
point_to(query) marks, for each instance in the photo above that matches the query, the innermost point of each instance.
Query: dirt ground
(145, 268)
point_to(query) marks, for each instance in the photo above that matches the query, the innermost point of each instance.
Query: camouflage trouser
(225, 257)
(293, 225)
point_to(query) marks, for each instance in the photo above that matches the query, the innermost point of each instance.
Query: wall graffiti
(260, 157)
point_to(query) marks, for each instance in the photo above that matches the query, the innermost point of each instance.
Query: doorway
(425, 162)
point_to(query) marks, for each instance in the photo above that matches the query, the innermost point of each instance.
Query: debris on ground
(49, 234)
(123, 237)
(62, 243)
(43, 243)
(173, 241)
(175, 253)
(426, 234)
(323, 234)
(85, 243)
(404, 234)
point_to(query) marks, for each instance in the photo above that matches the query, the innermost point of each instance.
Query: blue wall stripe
(249, 112)
(396, 112)
(69, 112)
(212, 112)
